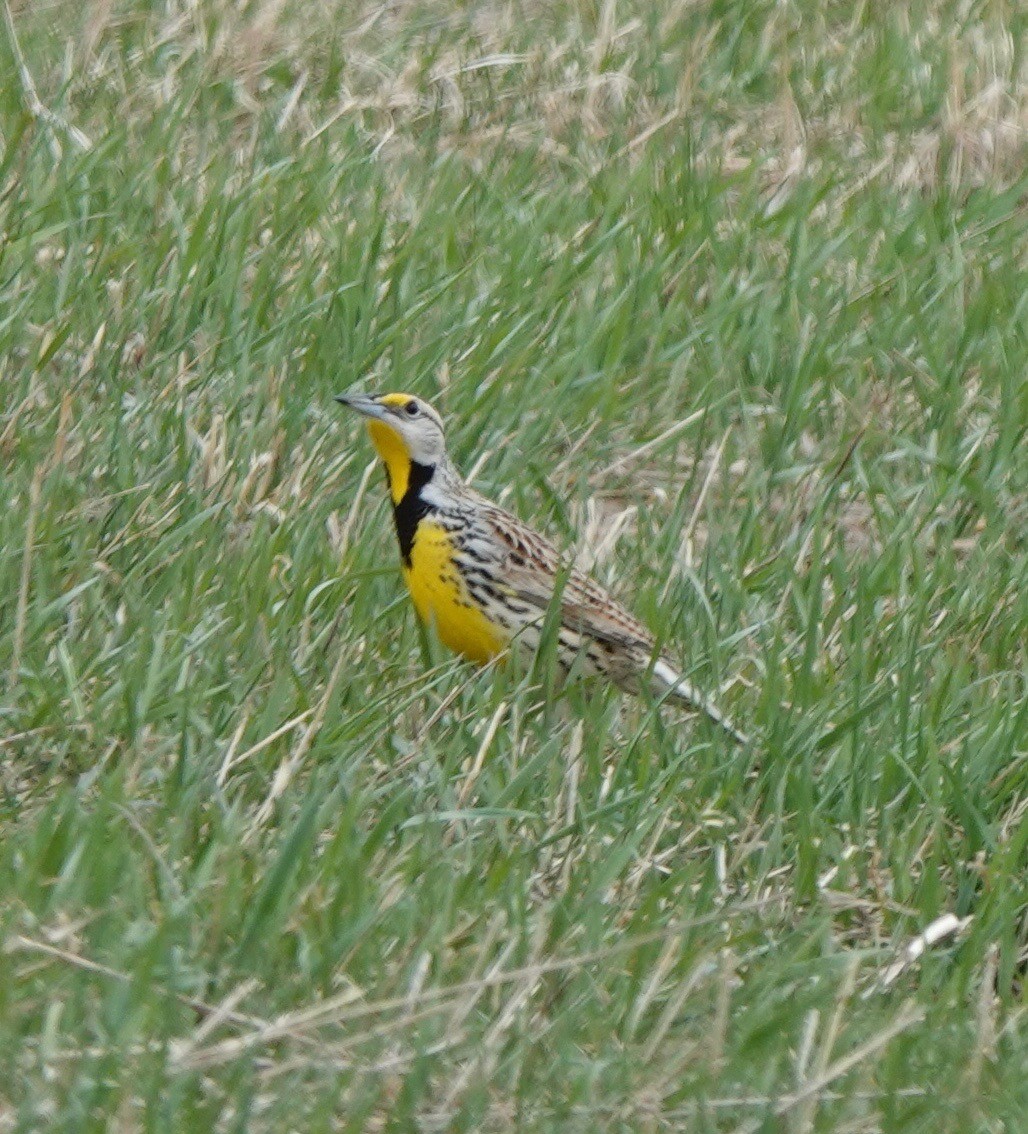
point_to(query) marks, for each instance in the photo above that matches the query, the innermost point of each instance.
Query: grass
(732, 294)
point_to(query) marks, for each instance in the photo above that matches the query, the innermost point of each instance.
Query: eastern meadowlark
(485, 579)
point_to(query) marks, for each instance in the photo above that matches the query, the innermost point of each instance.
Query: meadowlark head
(405, 431)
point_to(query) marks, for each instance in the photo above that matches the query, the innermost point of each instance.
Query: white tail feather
(668, 681)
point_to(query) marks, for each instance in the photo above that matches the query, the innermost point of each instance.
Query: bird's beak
(363, 403)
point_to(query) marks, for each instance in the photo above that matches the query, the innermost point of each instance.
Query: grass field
(730, 296)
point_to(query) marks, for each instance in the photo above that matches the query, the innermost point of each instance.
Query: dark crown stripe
(412, 509)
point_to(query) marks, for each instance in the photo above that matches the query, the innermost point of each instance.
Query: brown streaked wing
(530, 567)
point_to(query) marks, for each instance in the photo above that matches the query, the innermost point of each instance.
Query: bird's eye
(411, 409)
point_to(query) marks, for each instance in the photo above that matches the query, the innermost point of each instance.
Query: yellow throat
(391, 448)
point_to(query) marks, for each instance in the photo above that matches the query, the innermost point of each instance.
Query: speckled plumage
(487, 580)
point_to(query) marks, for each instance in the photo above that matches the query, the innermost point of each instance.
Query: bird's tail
(667, 680)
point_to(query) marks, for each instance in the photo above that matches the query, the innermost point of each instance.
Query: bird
(486, 580)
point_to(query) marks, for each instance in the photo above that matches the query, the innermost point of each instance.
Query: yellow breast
(441, 598)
